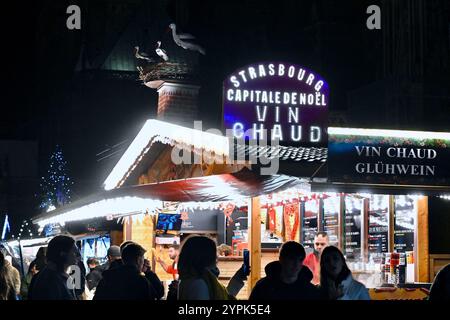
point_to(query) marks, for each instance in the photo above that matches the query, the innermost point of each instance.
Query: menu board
(331, 209)
(378, 224)
(404, 223)
(353, 218)
(204, 221)
(309, 221)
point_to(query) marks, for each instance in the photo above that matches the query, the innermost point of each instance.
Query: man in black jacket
(126, 282)
(52, 282)
(287, 279)
(95, 273)
(147, 270)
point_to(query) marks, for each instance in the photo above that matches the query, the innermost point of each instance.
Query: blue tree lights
(56, 185)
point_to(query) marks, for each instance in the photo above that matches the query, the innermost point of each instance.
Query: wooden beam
(421, 241)
(254, 242)
(365, 231)
(320, 216)
(391, 224)
(341, 223)
(301, 212)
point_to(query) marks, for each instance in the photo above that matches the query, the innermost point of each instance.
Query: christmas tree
(56, 185)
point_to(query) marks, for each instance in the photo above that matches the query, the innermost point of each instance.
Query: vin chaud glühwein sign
(388, 157)
(288, 101)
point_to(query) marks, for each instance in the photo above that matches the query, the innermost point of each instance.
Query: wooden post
(320, 216)
(365, 231)
(301, 212)
(391, 224)
(421, 250)
(341, 223)
(117, 237)
(254, 242)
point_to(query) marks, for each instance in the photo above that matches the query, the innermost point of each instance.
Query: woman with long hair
(7, 288)
(336, 280)
(198, 272)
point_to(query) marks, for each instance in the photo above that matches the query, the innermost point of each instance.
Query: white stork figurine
(179, 38)
(142, 55)
(161, 52)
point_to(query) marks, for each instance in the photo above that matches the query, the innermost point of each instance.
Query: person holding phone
(199, 272)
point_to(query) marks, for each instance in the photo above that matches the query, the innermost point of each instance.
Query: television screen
(169, 221)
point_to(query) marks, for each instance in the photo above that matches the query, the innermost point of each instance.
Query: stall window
(331, 211)
(353, 227)
(309, 220)
(378, 231)
(404, 223)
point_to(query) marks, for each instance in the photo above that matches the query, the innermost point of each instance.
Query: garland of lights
(26, 226)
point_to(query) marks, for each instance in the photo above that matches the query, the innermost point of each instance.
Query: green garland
(432, 143)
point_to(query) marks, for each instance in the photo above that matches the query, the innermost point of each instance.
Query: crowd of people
(58, 273)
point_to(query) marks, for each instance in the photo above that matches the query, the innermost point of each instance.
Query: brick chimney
(178, 103)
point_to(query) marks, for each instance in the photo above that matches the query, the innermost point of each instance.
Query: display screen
(169, 221)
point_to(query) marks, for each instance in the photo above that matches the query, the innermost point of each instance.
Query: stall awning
(144, 198)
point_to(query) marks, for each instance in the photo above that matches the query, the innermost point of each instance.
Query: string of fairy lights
(25, 231)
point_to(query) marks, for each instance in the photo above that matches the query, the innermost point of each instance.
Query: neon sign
(277, 100)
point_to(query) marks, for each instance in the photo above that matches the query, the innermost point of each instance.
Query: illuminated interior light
(389, 133)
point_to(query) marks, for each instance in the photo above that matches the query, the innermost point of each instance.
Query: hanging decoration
(291, 220)
(272, 219)
(228, 209)
(184, 215)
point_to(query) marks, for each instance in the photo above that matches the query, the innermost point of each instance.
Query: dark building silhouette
(411, 91)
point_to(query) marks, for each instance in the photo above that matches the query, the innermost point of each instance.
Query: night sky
(47, 101)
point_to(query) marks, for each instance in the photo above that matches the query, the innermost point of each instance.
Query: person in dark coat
(126, 282)
(287, 279)
(147, 270)
(95, 273)
(114, 258)
(52, 282)
(440, 289)
(41, 258)
(153, 279)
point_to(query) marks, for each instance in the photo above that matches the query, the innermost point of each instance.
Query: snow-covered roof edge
(167, 133)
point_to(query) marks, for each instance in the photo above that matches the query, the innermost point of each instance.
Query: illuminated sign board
(389, 156)
(277, 101)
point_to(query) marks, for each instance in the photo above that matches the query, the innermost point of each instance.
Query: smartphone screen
(246, 260)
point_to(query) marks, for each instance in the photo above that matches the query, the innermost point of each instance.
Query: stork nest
(167, 71)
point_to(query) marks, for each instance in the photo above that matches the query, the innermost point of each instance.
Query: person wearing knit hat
(114, 258)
